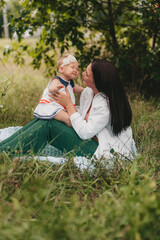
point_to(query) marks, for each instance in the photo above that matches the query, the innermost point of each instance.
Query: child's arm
(78, 88)
(55, 86)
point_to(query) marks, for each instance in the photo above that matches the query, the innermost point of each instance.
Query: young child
(68, 71)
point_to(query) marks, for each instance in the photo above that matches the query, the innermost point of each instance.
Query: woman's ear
(60, 70)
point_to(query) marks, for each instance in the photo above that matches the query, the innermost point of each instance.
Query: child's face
(70, 71)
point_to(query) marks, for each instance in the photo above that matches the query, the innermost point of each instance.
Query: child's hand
(58, 87)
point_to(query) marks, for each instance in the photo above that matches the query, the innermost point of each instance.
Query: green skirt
(34, 137)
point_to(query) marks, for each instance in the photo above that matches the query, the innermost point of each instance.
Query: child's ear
(60, 70)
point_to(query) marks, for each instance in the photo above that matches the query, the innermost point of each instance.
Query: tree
(8, 10)
(127, 32)
(2, 6)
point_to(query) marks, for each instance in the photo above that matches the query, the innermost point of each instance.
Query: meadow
(42, 201)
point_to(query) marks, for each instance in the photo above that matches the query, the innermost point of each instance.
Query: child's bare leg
(63, 117)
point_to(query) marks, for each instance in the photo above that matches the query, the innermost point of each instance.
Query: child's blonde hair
(60, 61)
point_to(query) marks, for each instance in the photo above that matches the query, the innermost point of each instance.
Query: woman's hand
(55, 86)
(61, 98)
(65, 100)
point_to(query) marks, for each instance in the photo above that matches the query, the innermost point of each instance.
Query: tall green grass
(43, 201)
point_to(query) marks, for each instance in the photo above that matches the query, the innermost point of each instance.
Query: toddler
(68, 71)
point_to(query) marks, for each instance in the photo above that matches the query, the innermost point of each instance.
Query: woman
(105, 114)
(100, 128)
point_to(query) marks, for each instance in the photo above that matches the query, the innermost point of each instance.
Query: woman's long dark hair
(107, 81)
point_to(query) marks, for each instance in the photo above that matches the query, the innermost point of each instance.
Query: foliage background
(126, 32)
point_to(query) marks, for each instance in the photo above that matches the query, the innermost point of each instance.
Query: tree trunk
(111, 25)
(5, 22)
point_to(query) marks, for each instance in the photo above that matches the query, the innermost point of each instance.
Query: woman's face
(88, 77)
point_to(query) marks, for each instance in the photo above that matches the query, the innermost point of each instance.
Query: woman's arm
(98, 118)
(65, 100)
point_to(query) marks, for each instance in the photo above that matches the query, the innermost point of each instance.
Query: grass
(43, 201)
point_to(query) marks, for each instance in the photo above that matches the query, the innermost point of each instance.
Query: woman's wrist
(70, 108)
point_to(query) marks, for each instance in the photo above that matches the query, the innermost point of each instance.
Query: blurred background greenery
(126, 32)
